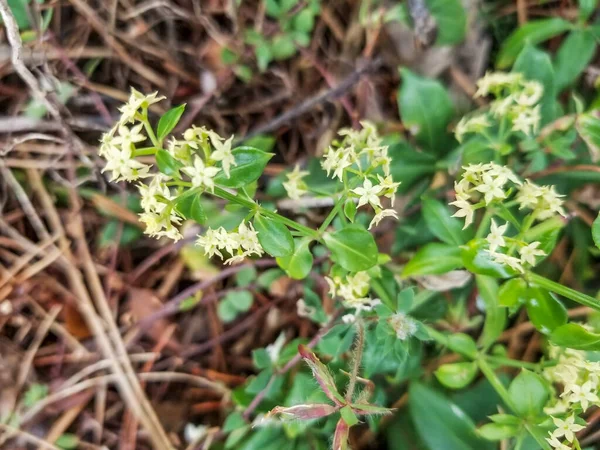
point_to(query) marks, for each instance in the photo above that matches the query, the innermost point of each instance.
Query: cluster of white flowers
(580, 380)
(473, 124)
(477, 180)
(516, 100)
(358, 149)
(295, 186)
(198, 155)
(239, 244)
(543, 200)
(489, 181)
(353, 290)
(527, 252)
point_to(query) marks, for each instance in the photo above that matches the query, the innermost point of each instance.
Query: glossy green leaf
(298, 264)
(536, 65)
(274, 237)
(191, 207)
(497, 431)
(462, 343)
(573, 56)
(440, 423)
(533, 33)
(451, 19)
(495, 317)
(528, 393)
(456, 375)
(477, 260)
(573, 335)
(426, 109)
(409, 165)
(169, 121)
(588, 126)
(596, 231)
(545, 311)
(167, 164)
(512, 292)
(441, 223)
(353, 248)
(350, 210)
(250, 164)
(434, 258)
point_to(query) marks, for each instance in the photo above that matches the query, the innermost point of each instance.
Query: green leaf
(263, 56)
(479, 261)
(434, 258)
(234, 303)
(536, 65)
(451, 19)
(274, 237)
(497, 431)
(353, 248)
(462, 343)
(426, 108)
(283, 47)
(304, 21)
(495, 317)
(586, 8)
(533, 33)
(442, 224)
(350, 210)
(573, 335)
(261, 358)
(596, 231)
(440, 423)
(573, 56)
(34, 394)
(167, 164)
(321, 375)
(250, 164)
(528, 394)
(545, 311)
(348, 415)
(169, 121)
(588, 126)
(298, 264)
(456, 375)
(512, 292)
(67, 441)
(409, 165)
(191, 207)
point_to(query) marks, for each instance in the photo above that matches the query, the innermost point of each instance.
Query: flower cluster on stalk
(580, 379)
(482, 185)
(359, 156)
(516, 102)
(198, 158)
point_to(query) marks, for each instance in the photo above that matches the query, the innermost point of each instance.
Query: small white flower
(294, 186)
(511, 261)
(530, 252)
(527, 120)
(211, 242)
(381, 215)
(368, 194)
(491, 188)
(566, 428)
(200, 174)
(149, 194)
(159, 225)
(129, 135)
(338, 160)
(531, 93)
(222, 152)
(556, 443)
(496, 236)
(584, 395)
(122, 166)
(388, 187)
(475, 124)
(465, 209)
(248, 238)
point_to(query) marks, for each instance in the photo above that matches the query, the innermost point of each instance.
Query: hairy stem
(357, 358)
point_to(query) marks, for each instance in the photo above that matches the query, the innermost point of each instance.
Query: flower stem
(565, 291)
(149, 130)
(357, 358)
(495, 382)
(332, 214)
(250, 204)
